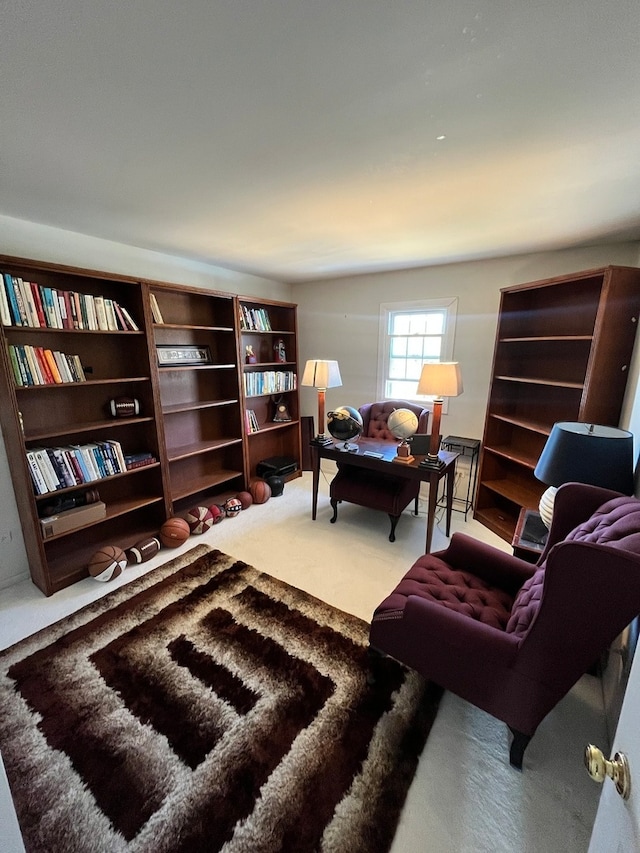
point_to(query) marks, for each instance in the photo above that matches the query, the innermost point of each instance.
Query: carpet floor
(208, 706)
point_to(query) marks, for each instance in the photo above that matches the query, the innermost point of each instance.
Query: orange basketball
(107, 563)
(174, 532)
(260, 491)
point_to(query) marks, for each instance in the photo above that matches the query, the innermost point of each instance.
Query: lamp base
(432, 462)
(322, 440)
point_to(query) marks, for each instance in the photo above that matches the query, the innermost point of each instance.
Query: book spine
(39, 483)
(11, 298)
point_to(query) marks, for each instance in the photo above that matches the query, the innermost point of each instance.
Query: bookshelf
(58, 417)
(562, 352)
(268, 346)
(195, 354)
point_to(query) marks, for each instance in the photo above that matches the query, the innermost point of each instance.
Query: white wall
(338, 319)
(40, 242)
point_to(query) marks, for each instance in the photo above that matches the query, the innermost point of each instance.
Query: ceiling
(301, 139)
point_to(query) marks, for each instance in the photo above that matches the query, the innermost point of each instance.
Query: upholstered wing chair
(513, 638)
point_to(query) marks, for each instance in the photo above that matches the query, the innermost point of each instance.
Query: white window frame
(387, 309)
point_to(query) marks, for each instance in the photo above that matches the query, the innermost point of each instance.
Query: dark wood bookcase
(117, 364)
(200, 403)
(269, 328)
(185, 368)
(562, 352)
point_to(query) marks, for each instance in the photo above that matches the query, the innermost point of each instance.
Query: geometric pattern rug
(206, 706)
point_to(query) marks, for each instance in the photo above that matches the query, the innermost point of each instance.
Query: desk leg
(431, 509)
(450, 489)
(315, 467)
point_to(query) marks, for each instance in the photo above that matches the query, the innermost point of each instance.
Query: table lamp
(321, 374)
(584, 453)
(439, 379)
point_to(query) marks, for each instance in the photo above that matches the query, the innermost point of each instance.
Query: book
(11, 299)
(131, 323)
(155, 309)
(5, 313)
(39, 483)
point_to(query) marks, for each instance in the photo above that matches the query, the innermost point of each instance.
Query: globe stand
(403, 453)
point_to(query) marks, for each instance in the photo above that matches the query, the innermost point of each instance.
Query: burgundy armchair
(384, 492)
(509, 637)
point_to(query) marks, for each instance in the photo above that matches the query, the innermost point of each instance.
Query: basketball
(107, 563)
(245, 499)
(260, 491)
(143, 550)
(174, 532)
(232, 507)
(217, 513)
(199, 519)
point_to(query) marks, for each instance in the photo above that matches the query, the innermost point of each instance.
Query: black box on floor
(280, 465)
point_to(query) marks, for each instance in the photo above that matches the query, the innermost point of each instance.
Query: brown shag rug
(204, 707)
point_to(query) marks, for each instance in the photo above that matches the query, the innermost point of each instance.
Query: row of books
(155, 309)
(251, 421)
(40, 366)
(269, 382)
(25, 303)
(254, 320)
(54, 468)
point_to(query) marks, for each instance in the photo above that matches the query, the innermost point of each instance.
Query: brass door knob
(617, 769)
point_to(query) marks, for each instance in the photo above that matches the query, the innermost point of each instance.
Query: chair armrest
(431, 621)
(491, 564)
(574, 503)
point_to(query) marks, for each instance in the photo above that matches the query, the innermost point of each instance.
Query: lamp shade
(319, 373)
(440, 379)
(587, 453)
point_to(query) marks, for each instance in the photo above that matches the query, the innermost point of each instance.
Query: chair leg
(334, 504)
(394, 521)
(518, 745)
(415, 506)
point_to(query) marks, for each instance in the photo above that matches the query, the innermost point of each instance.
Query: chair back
(375, 417)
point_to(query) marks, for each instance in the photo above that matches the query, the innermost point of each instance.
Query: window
(410, 334)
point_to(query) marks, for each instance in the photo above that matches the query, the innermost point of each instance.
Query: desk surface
(388, 449)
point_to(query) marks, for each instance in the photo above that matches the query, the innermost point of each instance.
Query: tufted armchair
(372, 489)
(513, 638)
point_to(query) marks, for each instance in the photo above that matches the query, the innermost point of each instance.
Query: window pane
(397, 368)
(399, 347)
(400, 324)
(414, 347)
(432, 349)
(435, 323)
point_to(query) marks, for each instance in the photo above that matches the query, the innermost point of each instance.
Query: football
(174, 532)
(199, 519)
(143, 550)
(107, 563)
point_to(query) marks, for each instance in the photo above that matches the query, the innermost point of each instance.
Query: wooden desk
(387, 466)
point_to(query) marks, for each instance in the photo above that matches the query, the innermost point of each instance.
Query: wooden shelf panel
(516, 492)
(192, 326)
(497, 520)
(86, 384)
(179, 368)
(95, 484)
(74, 429)
(51, 331)
(268, 427)
(204, 483)
(116, 508)
(546, 338)
(197, 404)
(553, 383)
(174, 454)
(524, 423)
(511, 453)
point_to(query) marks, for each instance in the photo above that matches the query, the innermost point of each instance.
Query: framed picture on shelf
(176, 355)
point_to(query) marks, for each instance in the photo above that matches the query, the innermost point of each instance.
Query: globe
(402, 424)
(345, 423)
